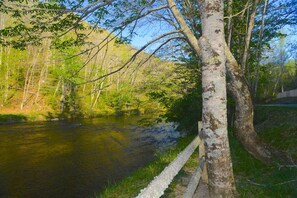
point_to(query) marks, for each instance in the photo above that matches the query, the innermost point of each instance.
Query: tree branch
(132, 57)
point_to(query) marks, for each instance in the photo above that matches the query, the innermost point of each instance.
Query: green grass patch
(21, 117)
(11, 118)
(131, 186)
(275, 125)
(255, 179)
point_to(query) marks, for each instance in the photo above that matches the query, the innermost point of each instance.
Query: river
(75, 159)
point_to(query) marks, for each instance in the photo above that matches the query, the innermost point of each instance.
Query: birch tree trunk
(214, 118)
(240, 92)
(4, 51)
(229, 27)
(1, 27)
(98, 94)
(258, 54)
(29, 78)
(44, 69)
(248, 36)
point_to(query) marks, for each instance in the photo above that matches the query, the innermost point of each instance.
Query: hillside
(43, 82)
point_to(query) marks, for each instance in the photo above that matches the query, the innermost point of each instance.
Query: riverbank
(131, 186)
(275, 125)
(28, 116)
(9, 118)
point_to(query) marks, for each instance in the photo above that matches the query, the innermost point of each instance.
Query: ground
(275, 125)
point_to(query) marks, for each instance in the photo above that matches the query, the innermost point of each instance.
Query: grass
(278, 127)
(275, 125)
(131, 186)
(6, 118)
(9, 118)
(254, 179)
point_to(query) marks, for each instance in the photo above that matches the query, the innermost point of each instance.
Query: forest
(226, 63)
(43, 82)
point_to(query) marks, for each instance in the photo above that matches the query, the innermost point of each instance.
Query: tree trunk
(63, 97)
(258, 54)
(1, 59)
(229, 27)
(44, 70)
(29, 78)
(98, 94)
(214, 118)
(244, 116)
(248, 36)
(7, 74)
(218, 160)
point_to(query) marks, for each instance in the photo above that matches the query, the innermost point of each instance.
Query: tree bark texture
(239, 90)
(214, 111)
(244, 116)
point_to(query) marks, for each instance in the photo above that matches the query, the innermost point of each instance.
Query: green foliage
(11, 118)
(50, 79)
(186, 110)
(183, 100)
(273, 77)
(277, 127)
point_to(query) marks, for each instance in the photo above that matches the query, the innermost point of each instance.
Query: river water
(75, 159)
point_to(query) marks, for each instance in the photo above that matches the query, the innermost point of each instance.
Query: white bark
(214, 117)
(219, 167)
(29, 79)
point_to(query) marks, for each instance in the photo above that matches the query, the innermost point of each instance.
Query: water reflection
(76, 159)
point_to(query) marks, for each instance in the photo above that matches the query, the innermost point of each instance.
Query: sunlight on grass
(254, 179)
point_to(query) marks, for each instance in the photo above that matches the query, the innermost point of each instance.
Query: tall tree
(259, 47)
(214, 118)
(123, 18)
(248, 35)
(229, 26)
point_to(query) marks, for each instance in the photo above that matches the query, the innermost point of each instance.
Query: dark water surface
(75, 159)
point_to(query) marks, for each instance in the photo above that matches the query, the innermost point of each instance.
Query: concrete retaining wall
(287, 94)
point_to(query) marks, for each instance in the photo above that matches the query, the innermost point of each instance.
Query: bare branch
(247, 6)
(155, 51)
(192, 40)
(132, 57)
(168, 20)
(95, 91)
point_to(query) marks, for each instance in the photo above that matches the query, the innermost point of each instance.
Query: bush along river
(76, 159)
